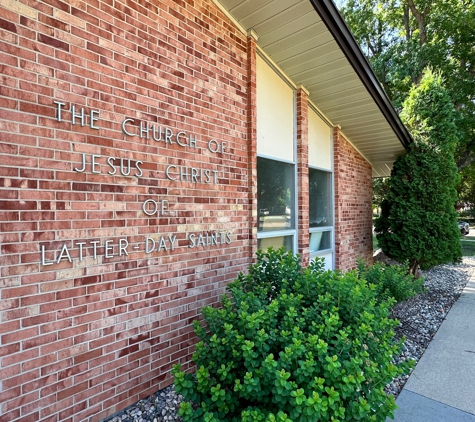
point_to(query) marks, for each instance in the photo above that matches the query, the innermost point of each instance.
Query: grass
(468, 243)
(468, 248)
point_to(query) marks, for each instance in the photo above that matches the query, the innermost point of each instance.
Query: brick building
(147, 150)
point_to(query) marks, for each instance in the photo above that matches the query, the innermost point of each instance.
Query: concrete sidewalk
(442, 386)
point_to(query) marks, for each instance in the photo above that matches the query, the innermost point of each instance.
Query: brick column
(302, 175)
(338, 196)
(252, 141)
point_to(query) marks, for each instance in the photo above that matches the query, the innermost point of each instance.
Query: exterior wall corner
(353, 212)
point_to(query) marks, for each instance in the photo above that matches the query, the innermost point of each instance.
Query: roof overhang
(309, 41)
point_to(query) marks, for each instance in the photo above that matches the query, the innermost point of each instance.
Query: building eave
(345, 39)
(310, 43)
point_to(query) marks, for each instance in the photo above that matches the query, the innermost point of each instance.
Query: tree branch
(421, 21)
(406, 23)
(370, 46)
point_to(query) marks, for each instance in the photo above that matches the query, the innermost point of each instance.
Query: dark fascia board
(343, 36)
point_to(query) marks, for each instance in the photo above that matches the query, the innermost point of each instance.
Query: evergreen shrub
(293, 344)
(418, 221)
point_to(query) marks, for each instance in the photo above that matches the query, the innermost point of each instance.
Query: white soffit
(295, 38)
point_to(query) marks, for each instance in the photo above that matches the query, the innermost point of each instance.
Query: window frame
(331, 228)
(291, 232)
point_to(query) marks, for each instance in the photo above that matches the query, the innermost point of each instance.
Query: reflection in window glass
(320, 187)
(275, 195)
(275, 242)
(320, 241)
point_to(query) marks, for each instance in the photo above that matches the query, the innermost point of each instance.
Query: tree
(402, 38)
(418, 222)
(466, 188)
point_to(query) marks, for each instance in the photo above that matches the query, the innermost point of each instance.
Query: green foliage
(418, 222)
(466, 190)
(391, 281)
(380, 189)
(402, 38)
(293, 344)
(467, 214)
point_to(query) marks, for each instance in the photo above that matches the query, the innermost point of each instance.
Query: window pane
(275, 195)
(320, 187)
(275, 242)
(320, 241)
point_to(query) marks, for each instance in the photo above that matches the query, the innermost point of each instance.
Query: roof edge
(344, 38)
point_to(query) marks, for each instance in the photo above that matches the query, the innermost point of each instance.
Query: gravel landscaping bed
(159, 407)
(419, 317)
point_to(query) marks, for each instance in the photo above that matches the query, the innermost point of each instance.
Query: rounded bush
(391, 280)
(293, 344)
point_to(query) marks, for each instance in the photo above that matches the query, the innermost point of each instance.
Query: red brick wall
(89, 337)
(353, 213)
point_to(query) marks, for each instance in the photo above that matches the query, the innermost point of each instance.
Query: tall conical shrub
(418, 222)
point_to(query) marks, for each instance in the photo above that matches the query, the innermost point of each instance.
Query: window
(278, 242)
(276, 200)
(275, 203)
(320, 212)
(320, 189)
(275, 195)
(320, 162)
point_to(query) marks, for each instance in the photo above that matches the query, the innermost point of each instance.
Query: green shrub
(418, 221)
(293, 344)
(391, 280)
